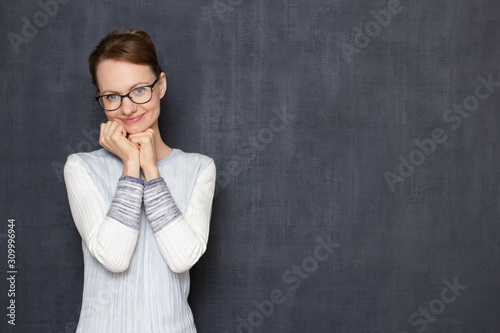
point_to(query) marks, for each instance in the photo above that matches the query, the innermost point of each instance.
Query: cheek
(154, 108)
(110, 117)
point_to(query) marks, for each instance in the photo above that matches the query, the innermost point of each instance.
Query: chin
(139, 127)
(134, 129)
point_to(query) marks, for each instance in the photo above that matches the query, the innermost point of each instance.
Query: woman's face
(119, 77)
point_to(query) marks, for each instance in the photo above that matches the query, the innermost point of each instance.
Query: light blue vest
(148, 296)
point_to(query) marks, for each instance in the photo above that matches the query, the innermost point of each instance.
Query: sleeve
(110, 232)
(181, 238)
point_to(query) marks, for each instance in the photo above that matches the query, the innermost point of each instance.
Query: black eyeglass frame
(150, 86)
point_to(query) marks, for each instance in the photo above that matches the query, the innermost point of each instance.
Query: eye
(111, 98)
(139, 91)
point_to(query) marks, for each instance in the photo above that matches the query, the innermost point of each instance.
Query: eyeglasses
(139, 95)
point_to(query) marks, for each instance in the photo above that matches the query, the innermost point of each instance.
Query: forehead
(118, 75)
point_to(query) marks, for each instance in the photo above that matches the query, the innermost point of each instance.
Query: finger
(106, 130)
(101, 134)
(116, 132)
(141, 139)
(119, 128)
(147, 134)
(112, 135)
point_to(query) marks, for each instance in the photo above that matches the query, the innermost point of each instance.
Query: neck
(162, 150)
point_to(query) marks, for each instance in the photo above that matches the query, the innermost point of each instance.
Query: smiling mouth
(132, 119)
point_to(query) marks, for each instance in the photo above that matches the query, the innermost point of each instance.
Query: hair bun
(133, 45)
(140, 33)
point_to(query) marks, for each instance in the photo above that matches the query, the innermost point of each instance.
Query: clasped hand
(137, 151)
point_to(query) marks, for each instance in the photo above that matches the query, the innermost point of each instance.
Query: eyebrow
(107, 92)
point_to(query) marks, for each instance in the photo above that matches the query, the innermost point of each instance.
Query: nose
(128, 107)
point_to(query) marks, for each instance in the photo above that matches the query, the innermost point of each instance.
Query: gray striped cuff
(126, 205)
(160, 207)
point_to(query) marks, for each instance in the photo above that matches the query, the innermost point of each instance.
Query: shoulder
(192, 164)
(101, 154)
(200, 160)
(95, 160)
(195, 157)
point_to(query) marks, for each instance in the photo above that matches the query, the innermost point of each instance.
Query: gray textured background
(232, 66)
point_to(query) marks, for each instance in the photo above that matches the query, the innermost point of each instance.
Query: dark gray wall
(381, 139)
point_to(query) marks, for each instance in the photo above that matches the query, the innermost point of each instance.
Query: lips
(132, 119)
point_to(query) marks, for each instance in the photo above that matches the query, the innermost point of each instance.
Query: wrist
(151, 172)
(131, 168)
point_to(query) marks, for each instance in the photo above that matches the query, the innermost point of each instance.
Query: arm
(181, 238)
(110, 233)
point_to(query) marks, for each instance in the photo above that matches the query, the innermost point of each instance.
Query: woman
(137, 258)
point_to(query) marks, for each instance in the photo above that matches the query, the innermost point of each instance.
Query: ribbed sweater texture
(139, 239)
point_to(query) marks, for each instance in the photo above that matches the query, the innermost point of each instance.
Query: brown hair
(134, 46)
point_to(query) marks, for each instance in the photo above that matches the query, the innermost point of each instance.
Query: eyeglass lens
(139, 95)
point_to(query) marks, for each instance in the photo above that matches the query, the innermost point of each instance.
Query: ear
(162, 84)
